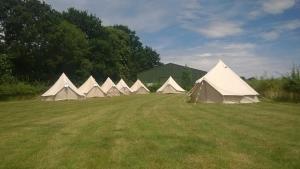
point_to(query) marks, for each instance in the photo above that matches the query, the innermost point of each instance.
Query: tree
(70, 55)
(88, 23)
(5, 69)
(25, 27)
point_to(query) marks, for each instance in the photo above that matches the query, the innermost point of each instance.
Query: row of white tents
(64, 89)
(219, 85)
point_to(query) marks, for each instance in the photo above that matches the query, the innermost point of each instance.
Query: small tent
(139, 88)
(222, 85)
(91, 88)
(123, 87)
(110, 89)
(170, 86)
(63, 89)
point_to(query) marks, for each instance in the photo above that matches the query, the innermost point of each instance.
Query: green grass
(152, 131)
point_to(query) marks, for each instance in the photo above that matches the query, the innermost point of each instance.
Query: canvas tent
(63, 89)
(170, 86)
(222, 85)
(123, 87)
(90, 88)
(110, 89)
(139, 88)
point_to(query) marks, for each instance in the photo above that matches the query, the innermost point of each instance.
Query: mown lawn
(152, 131)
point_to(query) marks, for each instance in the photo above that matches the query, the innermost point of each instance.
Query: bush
(19, 90)
(153, 87)
(285, 88)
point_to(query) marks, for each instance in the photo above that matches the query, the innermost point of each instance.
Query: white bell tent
(222, 85)
(91, 88)
(139, 88)
(63, 89)
(170, 86)
(110, 89)
(123, 87)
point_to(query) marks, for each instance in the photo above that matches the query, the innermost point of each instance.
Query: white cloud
(277, 6)
(290, 25)
(273, 7)
(281, 28)
(142, 15)
(254, 14)
(210, 19)
(240, 46)
(204, 55)
(220, 29)
(271, 35)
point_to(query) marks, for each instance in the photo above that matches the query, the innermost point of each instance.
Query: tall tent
(110, 89)
(63, 89)
(91, 88)
(222, 85)
(123, 87)
(139, 88)
(170, 86)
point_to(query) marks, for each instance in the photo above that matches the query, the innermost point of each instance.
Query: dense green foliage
(286, 88)
(148, 131)
(38, 43)
(20, 90)
(183, 75)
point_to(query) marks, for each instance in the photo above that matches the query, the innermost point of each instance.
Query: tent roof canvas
(88, 85)
(138, 84)
(63, 81)
(226, 82)
(107, 85)
(121, 84)
(172, 83)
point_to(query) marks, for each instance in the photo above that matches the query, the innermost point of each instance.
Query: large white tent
(91, 88)
(63, 89)
(222, 85)
(123, 87)
(139, 88)
(110, 89)
(170, 86)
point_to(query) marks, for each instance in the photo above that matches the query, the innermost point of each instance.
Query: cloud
(240, 46)
(220, 29)
(273, 7)
(290, 25)
(277, 6)
(204, 55)
(254, 14)
(281, 28)
(271, 35)
(142, 15)
(211, 19)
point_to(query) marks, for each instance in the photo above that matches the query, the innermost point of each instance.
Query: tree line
(37, 43)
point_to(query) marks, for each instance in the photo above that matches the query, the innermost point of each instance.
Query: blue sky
(254, 37)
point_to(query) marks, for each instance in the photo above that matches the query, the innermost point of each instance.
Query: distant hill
(161, 73)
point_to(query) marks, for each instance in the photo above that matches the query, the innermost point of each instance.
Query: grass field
(152, 131)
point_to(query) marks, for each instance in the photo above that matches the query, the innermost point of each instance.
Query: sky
(253, 37)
